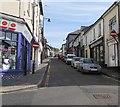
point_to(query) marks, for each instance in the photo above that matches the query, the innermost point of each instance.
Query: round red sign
(36, 45)
(4, 23)
(13, 24)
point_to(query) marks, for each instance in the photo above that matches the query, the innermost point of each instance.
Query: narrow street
(66, 86)
(62, 74)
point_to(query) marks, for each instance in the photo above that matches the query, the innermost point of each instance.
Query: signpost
(35, 46)
(114, 35)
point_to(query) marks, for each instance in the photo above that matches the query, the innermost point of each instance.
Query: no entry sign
(36, 45)
(113, 34)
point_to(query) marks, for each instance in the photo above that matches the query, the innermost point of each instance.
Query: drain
(102, 96)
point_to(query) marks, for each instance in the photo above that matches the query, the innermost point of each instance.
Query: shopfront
(97, 51)
(15, 47)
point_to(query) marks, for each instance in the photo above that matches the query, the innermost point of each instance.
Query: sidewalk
(22, 82)
(111, 73)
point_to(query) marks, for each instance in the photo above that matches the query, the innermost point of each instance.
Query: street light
(44, 43)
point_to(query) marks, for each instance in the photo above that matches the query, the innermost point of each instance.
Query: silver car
(69, 58)
(75, 61)
(87, 65)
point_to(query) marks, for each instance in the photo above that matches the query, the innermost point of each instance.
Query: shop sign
(36, 45)
(5, 24)
(96, 43)
(18, 27)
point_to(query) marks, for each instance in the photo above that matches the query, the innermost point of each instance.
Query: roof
(77, 32)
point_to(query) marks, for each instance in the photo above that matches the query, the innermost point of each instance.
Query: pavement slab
(21, 82)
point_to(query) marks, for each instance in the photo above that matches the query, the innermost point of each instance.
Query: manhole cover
(101, 96)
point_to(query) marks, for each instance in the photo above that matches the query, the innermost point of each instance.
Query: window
(86, 40)
(8, 55)
(94, 34)
(14, 37)
(112, 24)
(8, 36)
(99, 30)
(2, 35)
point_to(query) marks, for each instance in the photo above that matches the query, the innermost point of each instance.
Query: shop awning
(16, 24)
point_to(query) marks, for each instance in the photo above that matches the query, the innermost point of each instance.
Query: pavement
(111, 73)
(17, 82)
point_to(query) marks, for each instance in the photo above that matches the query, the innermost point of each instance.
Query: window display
(8, 52)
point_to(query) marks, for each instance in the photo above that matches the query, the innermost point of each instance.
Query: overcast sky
(67, 16)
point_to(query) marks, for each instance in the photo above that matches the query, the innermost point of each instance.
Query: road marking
(111, 78)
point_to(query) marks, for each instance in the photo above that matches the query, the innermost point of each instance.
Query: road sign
(113, 33)
(36, 45)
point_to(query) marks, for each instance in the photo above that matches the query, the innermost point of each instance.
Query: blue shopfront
(15, 50)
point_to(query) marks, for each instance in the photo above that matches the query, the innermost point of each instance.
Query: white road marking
(111, 78)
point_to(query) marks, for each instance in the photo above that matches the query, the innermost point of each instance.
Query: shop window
(8, 55)
(8, 36)
(14, 37)
(101, 54)
(2, 35)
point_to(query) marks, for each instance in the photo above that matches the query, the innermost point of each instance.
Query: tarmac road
(66, 86)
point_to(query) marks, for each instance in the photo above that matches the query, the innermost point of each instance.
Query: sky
(69, 15)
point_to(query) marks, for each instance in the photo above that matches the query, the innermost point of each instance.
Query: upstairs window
(112, 24)
(99, 30)
(93, 34)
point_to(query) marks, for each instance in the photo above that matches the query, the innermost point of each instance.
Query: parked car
(69, 58)
(64, 58)
(75, 61)
(87, 65)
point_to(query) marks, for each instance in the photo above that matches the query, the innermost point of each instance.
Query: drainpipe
(33, 70)
(118, 36)
(103, 42)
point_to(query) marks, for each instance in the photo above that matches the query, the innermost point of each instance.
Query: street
(66, 86)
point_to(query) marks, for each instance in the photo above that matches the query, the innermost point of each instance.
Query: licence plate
(93, 69)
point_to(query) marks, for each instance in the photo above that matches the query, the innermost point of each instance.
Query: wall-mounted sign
(5, 24)
(18, 27)
(12, 26)
(36, 45)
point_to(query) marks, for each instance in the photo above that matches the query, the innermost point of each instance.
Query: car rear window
(71, 56)
(77, 59)
(87, 61)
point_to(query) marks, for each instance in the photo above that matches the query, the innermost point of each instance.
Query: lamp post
(114, 34)
(44, 40)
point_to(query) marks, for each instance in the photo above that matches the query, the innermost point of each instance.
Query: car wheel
(77, 69)
(82, 70)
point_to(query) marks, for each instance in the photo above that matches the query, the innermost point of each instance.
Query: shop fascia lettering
(18, 27)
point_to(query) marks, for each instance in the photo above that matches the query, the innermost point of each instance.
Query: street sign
(36, 45)
(113, 33)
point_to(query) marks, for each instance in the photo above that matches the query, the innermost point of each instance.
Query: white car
(75, 61)
(88, 66)
(69, 58)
